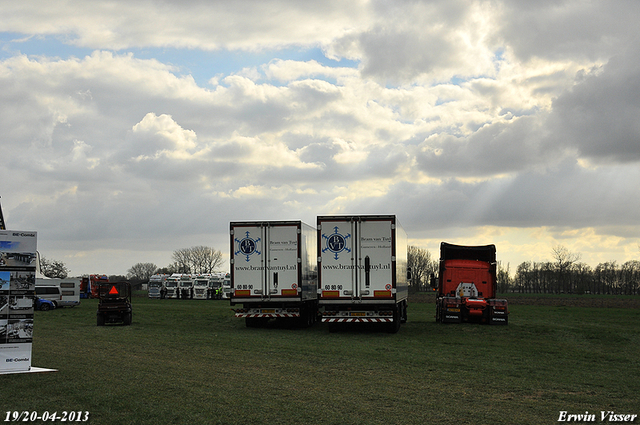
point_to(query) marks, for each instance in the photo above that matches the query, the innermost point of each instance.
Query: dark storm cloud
(565, 30)
(600, 116)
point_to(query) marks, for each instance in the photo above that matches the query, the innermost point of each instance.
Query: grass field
(192, 362)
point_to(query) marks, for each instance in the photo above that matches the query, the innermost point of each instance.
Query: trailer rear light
(452, 305)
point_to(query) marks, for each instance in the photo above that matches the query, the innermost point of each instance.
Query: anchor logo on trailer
(247, 246)
(336, 242)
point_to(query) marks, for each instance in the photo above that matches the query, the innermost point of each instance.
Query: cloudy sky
(131, 129)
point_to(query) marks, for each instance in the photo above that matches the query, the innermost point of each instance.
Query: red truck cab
(467, 286)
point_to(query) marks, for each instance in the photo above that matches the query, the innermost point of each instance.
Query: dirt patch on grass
(606, 301)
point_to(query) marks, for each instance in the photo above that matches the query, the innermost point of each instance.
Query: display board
(17, 291)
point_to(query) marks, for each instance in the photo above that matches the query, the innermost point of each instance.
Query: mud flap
(498, 312)
(449, 310)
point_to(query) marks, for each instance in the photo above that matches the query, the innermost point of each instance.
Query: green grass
(192, 362)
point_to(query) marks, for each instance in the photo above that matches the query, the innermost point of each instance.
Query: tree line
(564, 275)
(578, 278)
(197, 260)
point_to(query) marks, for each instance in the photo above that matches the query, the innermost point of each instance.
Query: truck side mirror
(409, 274)
(432, 281)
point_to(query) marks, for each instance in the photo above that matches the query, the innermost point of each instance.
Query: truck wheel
(394, 326)
(438, 318)
(309, 315)
(127, 319)
(404, 312)
(100, 320)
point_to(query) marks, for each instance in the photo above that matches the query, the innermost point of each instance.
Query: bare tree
(564, 262)
(564, 258)
(53, 268)
(197, 259)
(141, 271)
(181, 258)
(422, 266)
(503, 279)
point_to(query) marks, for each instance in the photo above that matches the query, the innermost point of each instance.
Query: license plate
(357, 313)
(271, 310)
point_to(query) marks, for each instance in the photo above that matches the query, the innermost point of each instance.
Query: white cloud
(242, 24)
(164, 135)
(478, 117)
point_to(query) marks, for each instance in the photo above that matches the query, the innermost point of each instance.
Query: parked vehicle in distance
(69, 290)
(467, 286)
(156, 282)
(201, 286)
(89, 285)
(171, 286)
(114, 303)
(216, 286)
(43, 304)
(52, 293)
(186, 287)
(226, 287)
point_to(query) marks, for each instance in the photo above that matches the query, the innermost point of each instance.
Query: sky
(129, 130)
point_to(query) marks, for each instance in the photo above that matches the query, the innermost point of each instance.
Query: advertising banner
(17, 292)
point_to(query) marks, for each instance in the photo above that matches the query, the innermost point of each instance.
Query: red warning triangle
(113, 291)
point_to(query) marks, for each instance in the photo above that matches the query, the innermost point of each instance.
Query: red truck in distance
(467, 286)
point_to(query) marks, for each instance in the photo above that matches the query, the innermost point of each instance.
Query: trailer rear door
(357, 258)
(265, 260)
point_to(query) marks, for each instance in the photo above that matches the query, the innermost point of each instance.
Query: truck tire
(127, 318)
(394, 326)
(100, 319)
(309, 314)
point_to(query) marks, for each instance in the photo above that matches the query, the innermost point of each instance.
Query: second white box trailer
(274, 271)
(362, 270)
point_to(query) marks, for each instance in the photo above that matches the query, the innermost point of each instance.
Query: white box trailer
(362, 270)
(274, 271)
(69, 290)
